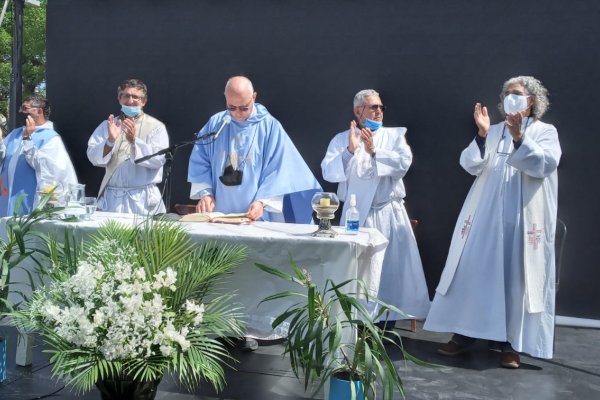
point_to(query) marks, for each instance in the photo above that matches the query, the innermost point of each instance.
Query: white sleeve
(273, 204)
(470, 158)
(156, 141)
(95, 150)
(2, 150)
(394, 162)
(332, 166)
(51, 162)
(538, 156)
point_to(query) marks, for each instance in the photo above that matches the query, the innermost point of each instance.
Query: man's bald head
(240, 96)
(240, 86)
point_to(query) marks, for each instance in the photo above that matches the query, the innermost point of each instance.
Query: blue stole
(24, 181)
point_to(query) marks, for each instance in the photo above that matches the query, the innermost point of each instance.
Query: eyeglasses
(517, 92)
(133, 97)
(374, 107)
(240, 108)
(501, 147)
(25, 108)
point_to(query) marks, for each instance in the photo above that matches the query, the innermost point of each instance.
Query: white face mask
(514, 103)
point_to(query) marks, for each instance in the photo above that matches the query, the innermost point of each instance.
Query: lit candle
(325, 201)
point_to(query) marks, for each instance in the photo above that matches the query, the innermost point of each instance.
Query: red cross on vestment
(534, 236)
(466, 227)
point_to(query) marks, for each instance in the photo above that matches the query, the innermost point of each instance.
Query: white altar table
(340, 258)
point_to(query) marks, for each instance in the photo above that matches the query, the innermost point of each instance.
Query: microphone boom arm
(171, 149)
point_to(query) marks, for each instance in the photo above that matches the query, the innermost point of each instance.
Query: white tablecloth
(340, 258)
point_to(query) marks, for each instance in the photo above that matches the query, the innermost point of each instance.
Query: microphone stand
(169, 153)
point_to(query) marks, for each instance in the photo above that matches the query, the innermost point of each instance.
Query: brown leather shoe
(452, 349)
(510, 359)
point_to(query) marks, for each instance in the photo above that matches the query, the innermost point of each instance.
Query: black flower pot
(113, 389)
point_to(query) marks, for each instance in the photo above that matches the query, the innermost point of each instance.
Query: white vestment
(485, 293)
(50, 162)
(132, 187)
(379, 189)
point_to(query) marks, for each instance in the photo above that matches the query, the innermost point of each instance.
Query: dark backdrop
(431, 60)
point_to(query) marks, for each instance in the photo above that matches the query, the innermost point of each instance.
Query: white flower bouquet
(135, 303)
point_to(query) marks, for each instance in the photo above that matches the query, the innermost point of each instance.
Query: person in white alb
(117, 142)
(498, 282)
(369, 161)
(30, 156)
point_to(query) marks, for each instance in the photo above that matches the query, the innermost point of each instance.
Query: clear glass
(91, 204)
(45, 186)
(325, 205)
(75, 200)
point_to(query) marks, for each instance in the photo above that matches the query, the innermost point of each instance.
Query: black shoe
(249, 344)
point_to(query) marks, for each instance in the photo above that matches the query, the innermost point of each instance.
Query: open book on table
(216, 217)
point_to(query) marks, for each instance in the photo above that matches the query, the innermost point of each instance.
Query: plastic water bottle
(352, 216)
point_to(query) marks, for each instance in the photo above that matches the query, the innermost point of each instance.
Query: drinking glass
(91, 203)
(75, 206)
(47, 186)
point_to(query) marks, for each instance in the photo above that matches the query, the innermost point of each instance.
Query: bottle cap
(353, 200)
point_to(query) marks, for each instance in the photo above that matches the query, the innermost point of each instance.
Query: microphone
(225, 121)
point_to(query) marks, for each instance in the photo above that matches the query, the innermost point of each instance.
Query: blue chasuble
(271, 165)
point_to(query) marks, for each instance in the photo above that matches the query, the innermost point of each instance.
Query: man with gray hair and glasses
(498, 282)
(369, 161)
(33, 156)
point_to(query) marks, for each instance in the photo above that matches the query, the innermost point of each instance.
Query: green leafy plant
(317, 325)
(133, 303)
(17, 244)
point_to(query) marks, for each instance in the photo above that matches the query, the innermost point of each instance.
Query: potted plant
(131, 304)
(318, 323)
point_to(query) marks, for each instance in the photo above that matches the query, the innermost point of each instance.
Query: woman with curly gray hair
(498, 282)
(534, 89)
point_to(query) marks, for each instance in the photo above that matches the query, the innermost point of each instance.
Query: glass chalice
(325, 205)
(51, 188)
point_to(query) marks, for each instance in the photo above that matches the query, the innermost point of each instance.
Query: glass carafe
(75, 200)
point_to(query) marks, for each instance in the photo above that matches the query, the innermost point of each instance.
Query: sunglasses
(240, 108)
(374, 107)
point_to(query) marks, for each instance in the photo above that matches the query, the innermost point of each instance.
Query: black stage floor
(574, 373)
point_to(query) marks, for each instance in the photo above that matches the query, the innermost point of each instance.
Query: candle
(325, 202)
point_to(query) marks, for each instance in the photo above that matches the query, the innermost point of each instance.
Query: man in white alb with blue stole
(498, 282)
(369, 161)
(30, 156)
(252, 167)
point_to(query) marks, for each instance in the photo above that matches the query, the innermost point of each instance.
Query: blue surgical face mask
(131, 111)
(372, 125)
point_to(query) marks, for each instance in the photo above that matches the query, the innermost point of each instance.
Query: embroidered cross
(534, 236)
(466, 227)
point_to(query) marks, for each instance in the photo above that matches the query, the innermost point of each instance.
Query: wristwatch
(27, 137)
